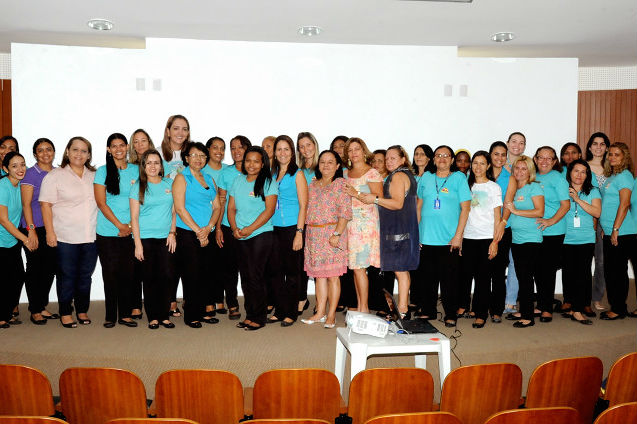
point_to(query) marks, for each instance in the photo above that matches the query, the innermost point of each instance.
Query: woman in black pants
(252, 201)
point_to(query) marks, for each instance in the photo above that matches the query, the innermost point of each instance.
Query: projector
(368, 324)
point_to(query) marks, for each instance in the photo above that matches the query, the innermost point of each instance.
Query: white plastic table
(361, 347)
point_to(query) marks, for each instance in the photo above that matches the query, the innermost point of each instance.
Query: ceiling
(598, 32)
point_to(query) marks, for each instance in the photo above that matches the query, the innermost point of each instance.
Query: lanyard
(441, 187)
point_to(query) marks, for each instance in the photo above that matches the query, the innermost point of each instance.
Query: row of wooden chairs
(471, 393)
(618, 414)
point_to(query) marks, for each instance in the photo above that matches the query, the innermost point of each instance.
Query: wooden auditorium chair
(557, 415)
(624, 413)
(621, 386)
(151, 421)
(417, 418)
(25, 391)
(24, 419)
(287, 421)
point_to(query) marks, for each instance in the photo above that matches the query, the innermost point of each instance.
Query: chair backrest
(417, 418)
(621, 386)
(475, 392)
(287, 421)
(619, 414)
(23, 419)
(570, 382)
(96, 395)
(151, 421)
(297, 393)
(381, 391)
(206, 396)
(26, 391)
(557, 415)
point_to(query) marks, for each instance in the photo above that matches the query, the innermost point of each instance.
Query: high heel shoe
(312, 321)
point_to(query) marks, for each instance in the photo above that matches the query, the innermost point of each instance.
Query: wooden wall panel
(613, 112)
(5, 107)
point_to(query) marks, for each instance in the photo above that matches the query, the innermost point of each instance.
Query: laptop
(416, 326)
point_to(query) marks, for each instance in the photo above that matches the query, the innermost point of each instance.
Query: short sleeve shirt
(156, 214)
(248, 205)
(610, 203)
(10, 197)
(584, 232)
(226, 179)
(523, 229)
(485, 197)
(119, 204)
(198, 199)
(33, 178)
(555, 189)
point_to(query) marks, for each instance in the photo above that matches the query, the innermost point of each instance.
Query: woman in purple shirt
(41, 261)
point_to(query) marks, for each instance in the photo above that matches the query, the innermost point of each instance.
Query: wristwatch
(376, 200)
(336, 233)
(615, 229)
(299, 230)
(31, 227)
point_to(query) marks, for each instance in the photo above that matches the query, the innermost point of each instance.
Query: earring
(349, 163)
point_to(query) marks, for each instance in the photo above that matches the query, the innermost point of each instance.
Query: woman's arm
(47, 218)
(340, 228)
(222, 206)
(456, 241)
(536, 212)
(100, 198)
(8, 225)
(594, 208)
(171, 240)
(179, 199)
(397, 189)
(497, 232)
(622, 211)
(565, 205)
(264, 217)
(418, 208)
(134, 222)
(302, 195)
(26, 192)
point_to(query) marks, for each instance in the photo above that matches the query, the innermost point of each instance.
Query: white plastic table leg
(444, 359)
(339, 362)
(421, 361)
(359, 358)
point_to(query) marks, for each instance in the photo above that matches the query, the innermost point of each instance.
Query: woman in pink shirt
(69, 213)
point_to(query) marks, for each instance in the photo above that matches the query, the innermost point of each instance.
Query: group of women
(346, 217)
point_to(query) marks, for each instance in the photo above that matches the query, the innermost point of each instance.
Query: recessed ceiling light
(501, 37)
(310, 30)
(100, 24)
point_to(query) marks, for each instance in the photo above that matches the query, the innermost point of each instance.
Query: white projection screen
(386, 95)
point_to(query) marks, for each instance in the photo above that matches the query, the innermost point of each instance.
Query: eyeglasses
(545, 158)
(196, 156)
(442, 155)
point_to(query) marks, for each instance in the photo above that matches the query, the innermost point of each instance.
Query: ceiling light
(501, 37)
(100, 24)
(310, 30)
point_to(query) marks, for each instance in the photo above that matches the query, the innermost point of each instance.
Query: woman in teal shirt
(444, 202)
(579, 242)
(620, 228)
(523, 208)
(253, 198)
(197, 207)
(14, 169)
(153, 225)
(553, 226)
(114, 243)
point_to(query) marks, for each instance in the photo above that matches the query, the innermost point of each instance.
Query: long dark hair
(589, 155)
(430, 154)
(339, 165)
(7, 159)
(143, 178)
(264, 173)
(245, 142)
(587, 186)
(563, 150)
(12, 138)
(112, 173)
(489, 174)
(165, 144)
(276, 166)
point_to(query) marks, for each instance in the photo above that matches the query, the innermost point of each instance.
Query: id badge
(437, 204)
(576, 222)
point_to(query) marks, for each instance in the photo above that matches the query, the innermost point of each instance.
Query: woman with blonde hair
(176, 138)
(140, 141)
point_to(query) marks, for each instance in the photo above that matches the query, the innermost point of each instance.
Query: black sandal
(233, 313)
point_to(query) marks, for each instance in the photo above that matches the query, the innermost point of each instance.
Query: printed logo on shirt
(167, 191)
(252, 194)
(520, 199)
(132, 182)
(444, 190)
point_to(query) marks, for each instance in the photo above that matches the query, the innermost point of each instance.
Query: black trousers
(527, 263)
(136, 289)
(476, 265)
(117, 257)
(379, 280)
(229, 271)
(11, 280)
(158, 270)
(616, 270)
(500, 265)
(287, 272)
(465, 280)
(40, 272)
(253, 254)
(551, 260)
(214, 293)
(440, 267)
(576, 274)
(192, 265)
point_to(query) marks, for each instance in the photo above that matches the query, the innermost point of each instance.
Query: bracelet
(299, 230)
(376, 200)
(174, 233)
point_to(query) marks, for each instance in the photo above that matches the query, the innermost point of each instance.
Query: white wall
(383, 94)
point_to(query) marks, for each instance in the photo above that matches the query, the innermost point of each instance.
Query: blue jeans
(512, 283)
(75, 266)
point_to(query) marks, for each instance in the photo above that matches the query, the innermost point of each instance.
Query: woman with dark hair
(288, 221)
(523, 208)
(217, 150)
(399, 247)
(553, 226)
(268, 146)
(620, 227)
(329, 209)
(338, 145)
(14, 169)
(579, 242)
(197, 207)
(140, 142)
(463, 160)
(69, 213)
(363, 231)
(40, 271)
(444, 202)
(153, 225)
(229, 274)
(176, 138)
(7, 144)
(253, 198)
(480, 243)
(596, 150)
(423, 160)
(569, 153)
(516, 144)
(378, 162)
(115, 246)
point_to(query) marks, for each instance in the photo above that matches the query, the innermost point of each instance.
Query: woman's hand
(367, 198)
(333, 241)
(139, 251)
(499, 230)
(203, 232)
(171, 242)
(613, 238)
(493, 249)
(456, 243)
(32, 239)
(51, 239)
(573, 193)
(510, 206)
(244, 232)
(124, 230)
(543, 223)
(219, 237)
(350, 190)
(297, 244)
